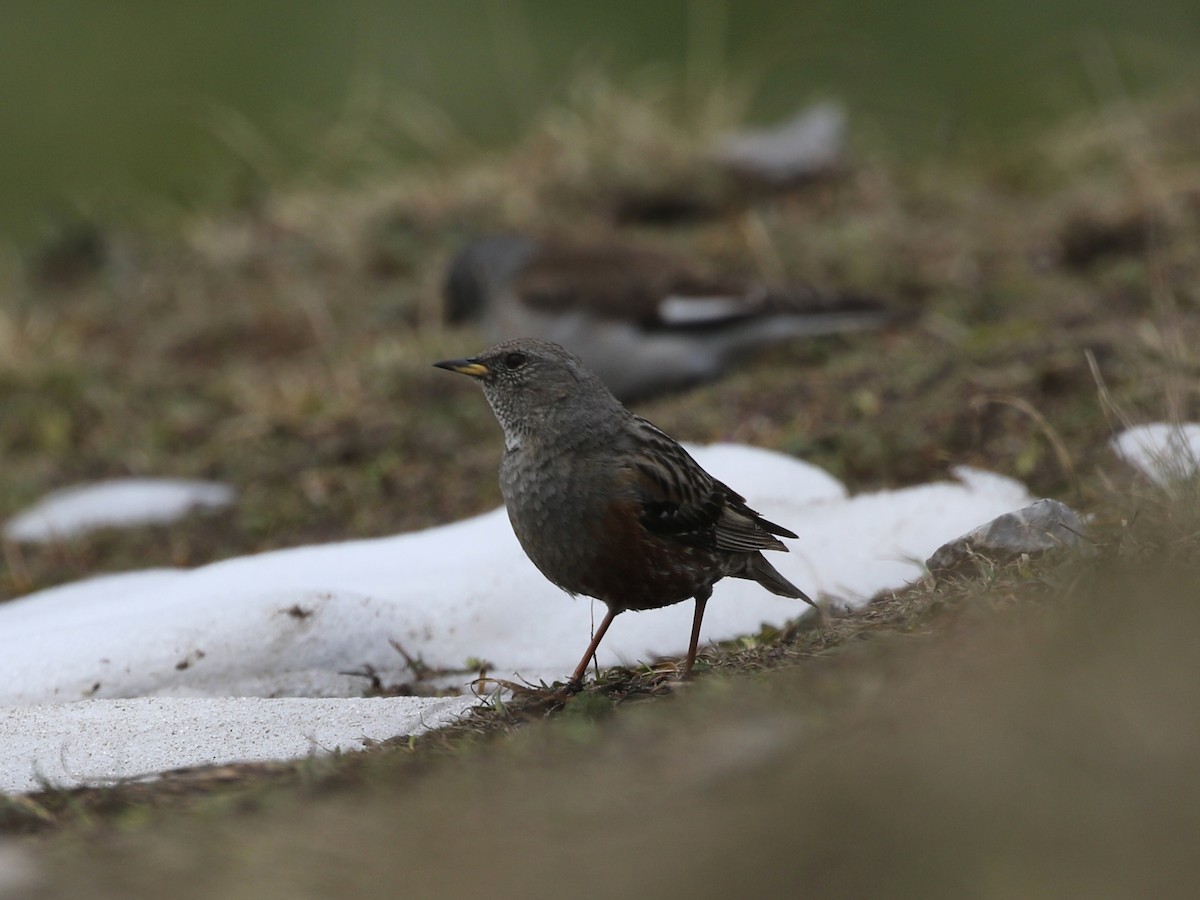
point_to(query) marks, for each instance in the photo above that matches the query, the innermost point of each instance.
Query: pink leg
(701, 600)
(577, 678)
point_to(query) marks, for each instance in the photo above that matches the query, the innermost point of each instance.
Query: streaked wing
(679, 499)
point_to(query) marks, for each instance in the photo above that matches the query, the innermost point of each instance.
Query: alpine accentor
(604, 503)
(643, 320)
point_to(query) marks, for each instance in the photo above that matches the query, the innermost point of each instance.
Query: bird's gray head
(480, 269)
(539, 389)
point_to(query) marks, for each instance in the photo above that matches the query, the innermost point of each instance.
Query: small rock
(1043, 525)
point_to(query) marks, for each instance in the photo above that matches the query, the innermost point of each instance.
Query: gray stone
(1041, 526)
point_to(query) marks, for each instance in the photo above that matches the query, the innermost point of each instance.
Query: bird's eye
(515, 360)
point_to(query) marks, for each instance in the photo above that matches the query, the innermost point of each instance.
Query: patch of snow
(119, 502)
(765, 476)
(111, 740)
(1161, 451)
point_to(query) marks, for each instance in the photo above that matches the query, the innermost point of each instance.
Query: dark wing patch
(680, 500)
(741, 528)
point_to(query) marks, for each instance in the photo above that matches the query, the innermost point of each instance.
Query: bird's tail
(758, 569)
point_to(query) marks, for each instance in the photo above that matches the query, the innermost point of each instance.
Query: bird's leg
(577, 678)
(701, 600)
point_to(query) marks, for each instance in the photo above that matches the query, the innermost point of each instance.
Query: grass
(1028, 729)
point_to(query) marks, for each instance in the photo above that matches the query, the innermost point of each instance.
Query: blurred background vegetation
(1024, 175)
(115, 109)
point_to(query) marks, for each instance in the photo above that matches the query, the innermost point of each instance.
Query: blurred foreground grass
(1038, 740)
(1028, 731)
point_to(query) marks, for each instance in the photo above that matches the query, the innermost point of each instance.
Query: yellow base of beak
(464, 367)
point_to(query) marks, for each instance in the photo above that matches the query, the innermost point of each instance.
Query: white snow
(298, 622)
(119, 502)
(1163, 452)
(105, 741)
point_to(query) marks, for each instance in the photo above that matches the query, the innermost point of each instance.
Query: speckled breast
(581, 527)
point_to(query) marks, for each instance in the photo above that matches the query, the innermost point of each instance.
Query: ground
(1014, 729)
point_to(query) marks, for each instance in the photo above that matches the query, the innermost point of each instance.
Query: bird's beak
(471, 367)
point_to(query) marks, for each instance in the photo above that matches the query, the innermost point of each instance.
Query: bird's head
(539, 388)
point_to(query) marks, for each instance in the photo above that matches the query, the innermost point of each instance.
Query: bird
(607, 505)
(645, 321)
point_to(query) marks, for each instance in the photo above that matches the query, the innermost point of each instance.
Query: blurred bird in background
(645, 321)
